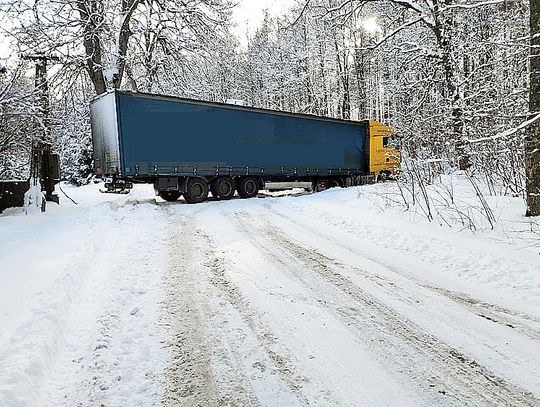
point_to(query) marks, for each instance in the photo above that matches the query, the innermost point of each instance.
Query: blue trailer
(190, 147)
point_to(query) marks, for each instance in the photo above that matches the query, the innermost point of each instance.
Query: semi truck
(192, 148)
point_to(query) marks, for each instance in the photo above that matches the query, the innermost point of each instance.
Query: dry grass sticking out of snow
(459, 201)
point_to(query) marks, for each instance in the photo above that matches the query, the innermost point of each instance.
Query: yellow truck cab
(384, 161)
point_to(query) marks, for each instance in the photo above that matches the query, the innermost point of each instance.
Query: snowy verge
(79, 303)
(498, 263)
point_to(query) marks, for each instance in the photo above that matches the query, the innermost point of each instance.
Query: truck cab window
(385, 141)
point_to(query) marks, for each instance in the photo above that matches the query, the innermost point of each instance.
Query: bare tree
(103, 36)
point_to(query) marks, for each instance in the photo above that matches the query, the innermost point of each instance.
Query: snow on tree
(18, 114)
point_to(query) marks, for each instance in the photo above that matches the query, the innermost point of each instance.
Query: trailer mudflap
(168, 184)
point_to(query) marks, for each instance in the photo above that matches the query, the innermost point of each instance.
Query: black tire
(318, 186)
(223, 188)
(248, 187)
(213, 189)
(382, 177)
(196, 190)
(170, 196)
(332, 183)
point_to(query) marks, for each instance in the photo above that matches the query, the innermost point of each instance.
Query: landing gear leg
(117, 186)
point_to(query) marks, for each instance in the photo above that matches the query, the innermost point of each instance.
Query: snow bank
(458, 249)
(79, 303)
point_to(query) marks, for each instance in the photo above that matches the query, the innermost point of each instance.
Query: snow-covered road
(301, 300)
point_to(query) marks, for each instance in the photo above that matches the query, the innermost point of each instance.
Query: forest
(458, 79)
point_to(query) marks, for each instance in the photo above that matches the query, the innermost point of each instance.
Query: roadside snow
(79, 303)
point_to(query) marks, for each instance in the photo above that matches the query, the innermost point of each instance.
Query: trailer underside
(197, 188)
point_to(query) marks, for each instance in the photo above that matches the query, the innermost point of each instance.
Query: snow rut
(436, 367)
(524, 323)
(494, 313)
(195, 281)
(188, 376)
(282, 360)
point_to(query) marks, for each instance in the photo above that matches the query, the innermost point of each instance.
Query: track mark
(434, 362)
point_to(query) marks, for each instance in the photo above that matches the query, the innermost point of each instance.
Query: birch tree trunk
(532, 140)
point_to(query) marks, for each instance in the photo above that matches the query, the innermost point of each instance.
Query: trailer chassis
(196, 188)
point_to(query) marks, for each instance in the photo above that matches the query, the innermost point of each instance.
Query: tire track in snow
(197, 276)
(433, 362)
(281, 358)
(491, 312)
(188, 376)
(495, 313)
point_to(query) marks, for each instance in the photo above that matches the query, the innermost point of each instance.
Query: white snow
(71, 279)
(336, 298)
(33, 198)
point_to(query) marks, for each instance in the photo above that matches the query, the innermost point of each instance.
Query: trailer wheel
(333, 183)
(196, 190)
(223, 188)
(248, 187)
(170, 196)
(318, 185)
(383, 176)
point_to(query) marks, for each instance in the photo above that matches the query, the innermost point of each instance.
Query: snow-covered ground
(326, 299)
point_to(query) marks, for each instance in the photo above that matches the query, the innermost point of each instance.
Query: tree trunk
(444, 29)
(361, 82)
(92, 21)
(532, 139)
(128, 7)
(322, 54)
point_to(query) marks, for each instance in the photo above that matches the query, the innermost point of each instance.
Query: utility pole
(44, 165)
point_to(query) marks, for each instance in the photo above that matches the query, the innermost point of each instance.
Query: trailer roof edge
(233, 107)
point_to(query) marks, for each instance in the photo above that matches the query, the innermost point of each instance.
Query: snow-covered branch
(508, 132)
